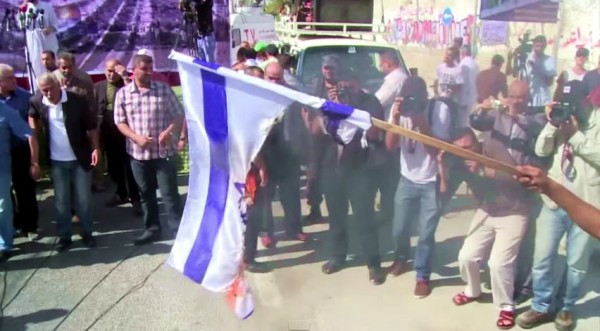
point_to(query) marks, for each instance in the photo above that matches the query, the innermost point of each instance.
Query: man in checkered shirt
(149, 114)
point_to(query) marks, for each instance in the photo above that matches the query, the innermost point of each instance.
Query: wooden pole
(442, 145)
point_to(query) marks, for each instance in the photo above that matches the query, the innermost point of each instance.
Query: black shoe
(147, 237)
(63, 245)
(257, 267)
(332, 266)
(376, 275)
(5, 255)
(88, 240)
(314, 217)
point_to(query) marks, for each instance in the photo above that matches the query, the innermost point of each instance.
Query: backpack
(452, 108)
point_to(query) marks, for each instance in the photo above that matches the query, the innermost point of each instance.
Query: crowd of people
(137, 123)
(514, 233)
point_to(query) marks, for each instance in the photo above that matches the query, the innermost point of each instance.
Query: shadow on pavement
(115, 229)
(22, 322)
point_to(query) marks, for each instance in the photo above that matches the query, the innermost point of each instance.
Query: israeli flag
(229, 116)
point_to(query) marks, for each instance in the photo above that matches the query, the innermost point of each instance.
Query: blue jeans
(418, 201)
(6, 213)
(551, 226)
(63, 174)
(147, 174)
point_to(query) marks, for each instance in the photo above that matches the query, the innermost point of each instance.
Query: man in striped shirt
(149, 115)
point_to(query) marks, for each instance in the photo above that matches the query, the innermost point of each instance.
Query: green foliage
(274, 7)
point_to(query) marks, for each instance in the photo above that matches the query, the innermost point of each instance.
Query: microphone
(31, 15)
(40, 14)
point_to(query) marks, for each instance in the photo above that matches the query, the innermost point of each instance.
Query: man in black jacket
(72, 137)
(347, 173)
(112, 139)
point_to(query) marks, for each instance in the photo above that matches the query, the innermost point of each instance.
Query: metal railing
(289, 32)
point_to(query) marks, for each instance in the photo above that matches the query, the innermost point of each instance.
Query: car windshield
(364, 60)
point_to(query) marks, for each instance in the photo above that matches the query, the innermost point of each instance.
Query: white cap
(143, 51)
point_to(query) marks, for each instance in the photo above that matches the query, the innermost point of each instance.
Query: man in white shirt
(389, 64)
(418, 183)
(73, 147)
(450, 78)
(388, 172)
(468, 99)
(541, 70)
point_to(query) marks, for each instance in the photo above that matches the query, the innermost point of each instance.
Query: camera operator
(541, 70)
(348, 177)
(571, 136)
(418, 184)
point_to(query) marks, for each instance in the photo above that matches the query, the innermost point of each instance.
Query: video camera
(410, 105)
(200, 13)
(520, 56)
(570, 103)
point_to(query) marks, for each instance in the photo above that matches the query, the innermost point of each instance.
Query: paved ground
(116, 286)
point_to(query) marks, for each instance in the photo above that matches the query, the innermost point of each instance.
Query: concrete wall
(581, 27)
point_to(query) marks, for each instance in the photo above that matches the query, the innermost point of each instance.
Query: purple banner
(97, 30)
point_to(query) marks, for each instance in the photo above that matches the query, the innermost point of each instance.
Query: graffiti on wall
(572, 38)
(427, 28)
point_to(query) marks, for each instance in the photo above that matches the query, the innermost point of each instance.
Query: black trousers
(387, 177)
(355, 186)
(287, 179)
(314, 194)
(25, 206)
(118, 162)
(256, 215)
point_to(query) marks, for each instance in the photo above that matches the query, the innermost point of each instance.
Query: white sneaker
(33, 236)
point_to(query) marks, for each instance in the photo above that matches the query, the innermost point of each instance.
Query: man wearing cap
(541, 70)
(347, 175)
(418, 184)
(491, 82)
(330, 65)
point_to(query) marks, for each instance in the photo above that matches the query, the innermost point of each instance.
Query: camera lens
(559, 114)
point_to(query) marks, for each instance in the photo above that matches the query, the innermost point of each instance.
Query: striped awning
(534, 11)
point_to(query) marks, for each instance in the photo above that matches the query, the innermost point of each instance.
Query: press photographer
(418, 184)
(347, 175)
(571, 137)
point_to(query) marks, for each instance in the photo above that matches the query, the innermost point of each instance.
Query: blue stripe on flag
(215, 123)
(334, 114)
(336, 110)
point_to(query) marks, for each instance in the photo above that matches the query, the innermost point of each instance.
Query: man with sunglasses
(418, 184)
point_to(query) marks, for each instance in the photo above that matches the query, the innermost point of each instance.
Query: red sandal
(506, 320)
(462, 299)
